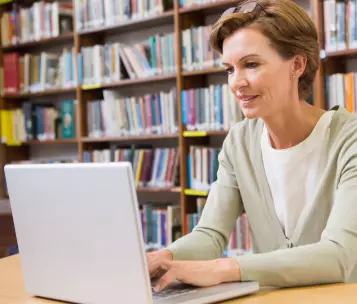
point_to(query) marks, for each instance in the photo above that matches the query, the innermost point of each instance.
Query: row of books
(51, 160)
(192, 219)
(152, 168)
(240, 238)
(126, 116)
(161, 225)
(25, 73)
(210, 108)
(40, 20)
(197, 52)
(106, 63)
(116, 61)
(96, 14)
(41, 121)
(202, 163)
(340, 24)
(113, 154)
(345, 97)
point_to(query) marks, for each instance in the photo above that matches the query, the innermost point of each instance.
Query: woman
(290, 165)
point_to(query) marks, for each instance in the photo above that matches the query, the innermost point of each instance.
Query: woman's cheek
(262, 79)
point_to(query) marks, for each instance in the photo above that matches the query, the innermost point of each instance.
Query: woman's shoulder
(243, 131)
(343, 136)
(343, 124)
(247, 125)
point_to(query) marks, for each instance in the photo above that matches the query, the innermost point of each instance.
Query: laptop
(80, 239)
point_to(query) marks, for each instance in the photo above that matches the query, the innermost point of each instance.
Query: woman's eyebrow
(244, 57)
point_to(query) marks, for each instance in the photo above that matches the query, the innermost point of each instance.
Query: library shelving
(131, 138)
(206, 71)
(95, 60)
(35, 44)
(48, 92)
(162, 18)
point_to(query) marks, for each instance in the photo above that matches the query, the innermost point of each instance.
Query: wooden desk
(12, 291)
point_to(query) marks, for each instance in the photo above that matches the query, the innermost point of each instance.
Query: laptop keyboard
(174, 291)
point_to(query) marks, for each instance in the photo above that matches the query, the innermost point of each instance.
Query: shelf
(160, 190)
(207, 71)
(204, 133)
(5, 208)
(39, 94)
(127, 82)
(37, 43)
(209, 8)
(351, 52)
(51, 142)
(133, 31)
(129, 138)
(193, 192)
(161, 19)
(217, 133)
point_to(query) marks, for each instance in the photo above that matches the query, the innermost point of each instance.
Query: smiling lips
(246, 99)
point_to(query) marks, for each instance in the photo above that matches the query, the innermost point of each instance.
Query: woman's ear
(298, 66)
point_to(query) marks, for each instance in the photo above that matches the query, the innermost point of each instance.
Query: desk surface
(12, 291)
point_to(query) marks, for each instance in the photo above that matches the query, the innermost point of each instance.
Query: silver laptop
(80, 239)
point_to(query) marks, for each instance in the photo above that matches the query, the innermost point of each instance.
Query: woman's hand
(155, 259)
(198, 273)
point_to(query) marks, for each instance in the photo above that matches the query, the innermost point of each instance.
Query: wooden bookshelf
(164, 18)
(194, 192)
(130, 138)
(51, 142)
(208, 8)
(129, 82)
(159, 190)
(343, 53)
(206, 71)
(37, 43)
(180, 18)
(46, 93)
(5, 209)
(7, 229)
(204, 133)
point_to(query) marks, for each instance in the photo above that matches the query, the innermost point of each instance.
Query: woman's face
(259, 78)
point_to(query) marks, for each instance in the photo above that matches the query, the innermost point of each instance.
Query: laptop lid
(78, 232)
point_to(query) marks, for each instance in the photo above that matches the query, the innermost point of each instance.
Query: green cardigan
(323, 248)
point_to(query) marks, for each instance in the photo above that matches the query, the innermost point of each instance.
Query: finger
(168, 264)
(165, 280)
(153, 264)
(157, 273)
(157, 267)
(150, 256)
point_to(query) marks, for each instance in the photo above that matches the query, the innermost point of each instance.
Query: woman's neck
(292, 126)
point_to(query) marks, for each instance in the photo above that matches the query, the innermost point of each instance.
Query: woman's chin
(251, 113)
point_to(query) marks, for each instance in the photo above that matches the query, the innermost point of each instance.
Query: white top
(293, 173)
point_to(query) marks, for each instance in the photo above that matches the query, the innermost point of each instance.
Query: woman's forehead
(244, 42)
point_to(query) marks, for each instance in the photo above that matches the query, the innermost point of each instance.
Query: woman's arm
(224, 205)
(330, 260)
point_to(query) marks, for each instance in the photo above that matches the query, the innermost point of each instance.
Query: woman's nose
(237, 81)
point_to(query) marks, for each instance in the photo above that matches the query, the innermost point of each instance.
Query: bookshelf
(177, 74)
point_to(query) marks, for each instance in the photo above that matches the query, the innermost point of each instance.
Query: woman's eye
(229, 70)
(252, 65)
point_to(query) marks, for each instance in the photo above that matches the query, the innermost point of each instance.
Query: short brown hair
(287, 26)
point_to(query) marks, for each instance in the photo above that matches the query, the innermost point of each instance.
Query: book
(38, 21)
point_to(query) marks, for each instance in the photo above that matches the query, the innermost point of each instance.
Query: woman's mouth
(247, 100)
